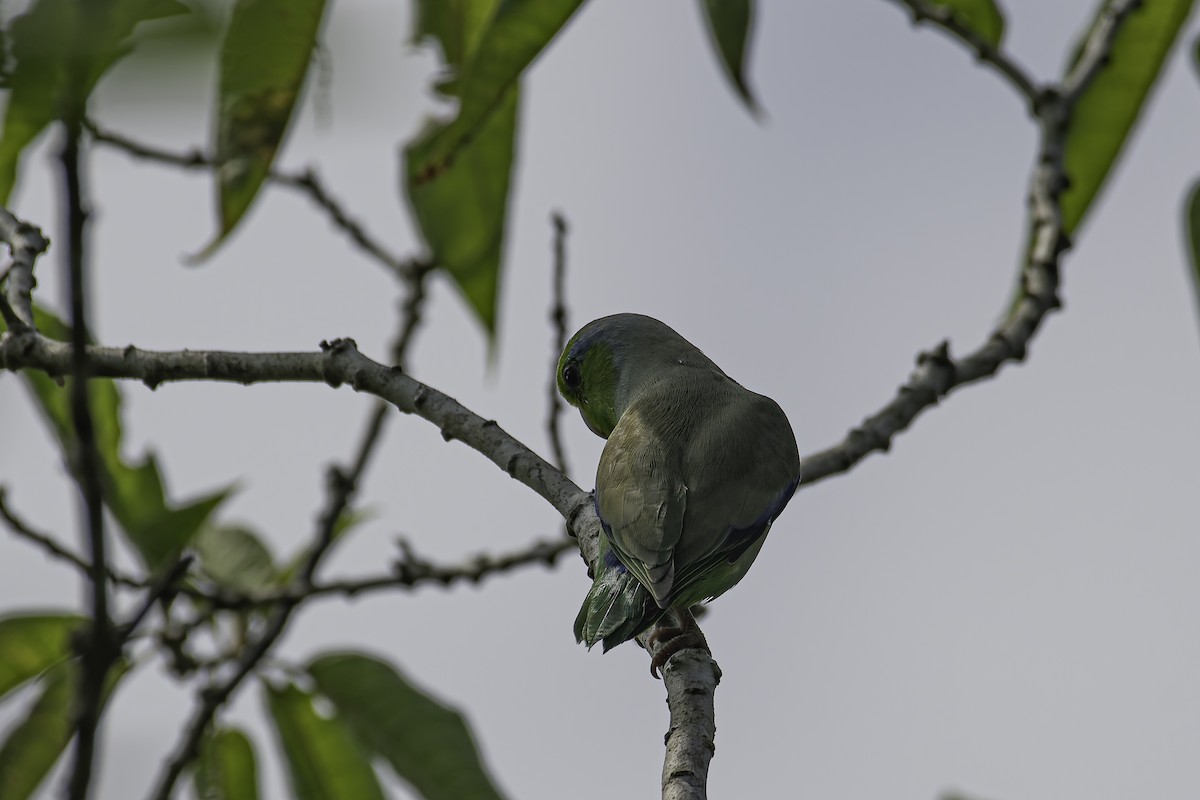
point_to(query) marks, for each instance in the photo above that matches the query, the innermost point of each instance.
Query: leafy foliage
(32, 644)
(1112, 103)
(61, 49)
(427, 744)
(728, 22)
(322, 758)
(226, 768)
(157, 528)
(264, 60)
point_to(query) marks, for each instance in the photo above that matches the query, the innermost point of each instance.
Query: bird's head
(609, 358)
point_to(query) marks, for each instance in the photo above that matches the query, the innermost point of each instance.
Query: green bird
(695, 470)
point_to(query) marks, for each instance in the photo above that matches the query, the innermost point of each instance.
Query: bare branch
(937, 373)
(101, 648)
(306, 181)
(409, 572)
(165, 585)
(338, 363)
(53, 548)
(948, 21)
(558, 318)
(343, 484)
(691, 678)
(26, 243)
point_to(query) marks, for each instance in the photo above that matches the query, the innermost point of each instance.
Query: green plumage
(694, 471)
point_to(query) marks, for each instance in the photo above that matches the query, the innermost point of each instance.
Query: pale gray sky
(1005, 604)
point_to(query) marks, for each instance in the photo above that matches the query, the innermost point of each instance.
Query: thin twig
(952, 23)
(54, 549)
(409, 572)
(558, 318)
(307, 181)
(166, 584)
(342, 487)
(343, 484)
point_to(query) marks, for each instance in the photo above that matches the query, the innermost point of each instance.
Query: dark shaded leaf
(428, 744)
(35, 743)
(134, 493)
(32, 643)
(1111, 105)
(264, 58)
(323, 759)
(1191, 225)
(728, 23)
(45, 41)
(226, 768)
(982, 16)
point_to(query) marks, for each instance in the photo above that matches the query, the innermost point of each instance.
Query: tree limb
(947, 20)
(306, 181)
(937, 373)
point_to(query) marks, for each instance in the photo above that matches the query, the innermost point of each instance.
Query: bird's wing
(641, 500)
(741, 466)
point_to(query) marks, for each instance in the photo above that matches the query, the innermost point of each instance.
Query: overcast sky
(1006, 604)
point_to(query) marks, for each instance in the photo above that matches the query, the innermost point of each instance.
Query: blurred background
(1005, 604)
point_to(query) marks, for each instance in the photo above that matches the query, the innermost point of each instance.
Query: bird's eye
(571, 376)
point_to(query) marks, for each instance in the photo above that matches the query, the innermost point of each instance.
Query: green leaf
(236, 558)
(981, 16)
(31, 644)
(427, 743)
(226, 768)
(458, 173)
(133, 492)
(517, 32)
(323, 759)
(1112, 103)
(728, 23)
(462, 213)
(35, 743)
(264, 59)
(52, 41)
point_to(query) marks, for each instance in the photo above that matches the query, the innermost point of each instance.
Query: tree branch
(306, 181)
(937, 373)
(558, 318)
(691, 678)
(26, 243)
(338, 363)
(948, 21)
(343, 484)
(53, 548)
(409, 572)
(101, 647)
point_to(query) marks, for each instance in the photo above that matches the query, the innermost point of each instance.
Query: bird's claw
(674, 640)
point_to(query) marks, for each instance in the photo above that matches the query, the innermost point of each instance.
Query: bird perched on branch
(695, 470)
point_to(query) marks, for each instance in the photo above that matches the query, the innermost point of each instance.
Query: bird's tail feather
(616, 609)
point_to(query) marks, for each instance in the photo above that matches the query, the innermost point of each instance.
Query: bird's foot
(687, 635)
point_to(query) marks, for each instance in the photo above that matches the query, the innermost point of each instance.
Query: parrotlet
(694, 471)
